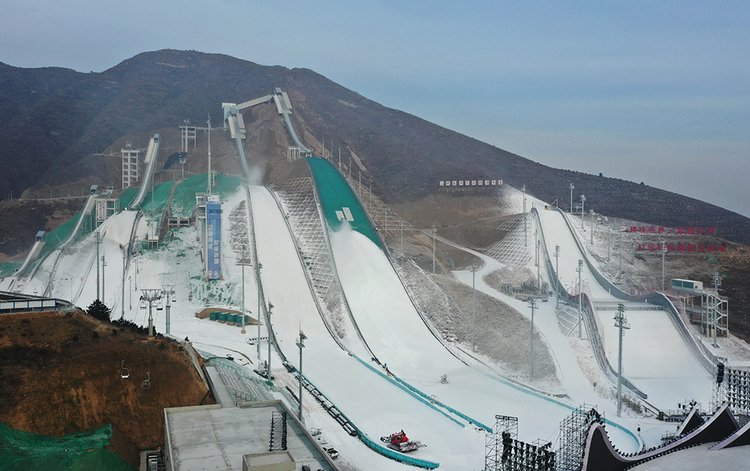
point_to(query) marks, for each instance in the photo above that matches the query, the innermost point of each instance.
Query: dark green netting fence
(85, 451)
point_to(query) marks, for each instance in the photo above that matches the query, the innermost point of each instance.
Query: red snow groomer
(400, 442)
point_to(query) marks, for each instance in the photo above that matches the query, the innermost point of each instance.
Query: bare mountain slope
(55, 121)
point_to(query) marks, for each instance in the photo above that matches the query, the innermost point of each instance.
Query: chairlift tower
(150, 295)
(168, 290)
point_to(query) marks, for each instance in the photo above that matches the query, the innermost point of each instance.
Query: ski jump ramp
(150, 161)
(657, 356)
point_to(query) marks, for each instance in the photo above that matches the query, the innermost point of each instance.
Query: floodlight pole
(242, 311)
(663, 253)
(301, 345)
(532, 305)
(96, 235)
(473, 308)
(122, 298)
(434, 231)
(539, 265)
(257, 315)
(571, 198)
(268, 328)
(620, 253)
(580, 299)
(209, 155)
(104, 264)
(621, 323)
(525, 226)
(583, 204)
(557, 275)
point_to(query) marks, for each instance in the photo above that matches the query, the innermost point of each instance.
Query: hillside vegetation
(72, 125)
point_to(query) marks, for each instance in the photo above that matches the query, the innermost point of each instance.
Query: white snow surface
(656, 358)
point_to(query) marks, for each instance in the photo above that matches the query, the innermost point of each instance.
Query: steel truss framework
(573, 432)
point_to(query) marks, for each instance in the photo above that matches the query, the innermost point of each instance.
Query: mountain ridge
(59, 120)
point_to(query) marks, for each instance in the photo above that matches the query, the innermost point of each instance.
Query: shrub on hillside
(99, 310)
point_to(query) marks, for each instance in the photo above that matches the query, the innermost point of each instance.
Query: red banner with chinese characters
(680, 247)
(669, 230)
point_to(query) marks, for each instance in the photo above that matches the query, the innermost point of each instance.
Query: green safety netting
(85, 451)
(335, 195)
(184, 195)
(127, 197)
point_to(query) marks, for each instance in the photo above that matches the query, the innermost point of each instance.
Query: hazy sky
(652, 91)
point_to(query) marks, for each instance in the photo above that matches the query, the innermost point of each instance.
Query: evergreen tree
(99, 310)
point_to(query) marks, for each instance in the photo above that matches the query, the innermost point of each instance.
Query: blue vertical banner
(213, 239)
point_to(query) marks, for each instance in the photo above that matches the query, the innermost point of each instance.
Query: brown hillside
(60, 374)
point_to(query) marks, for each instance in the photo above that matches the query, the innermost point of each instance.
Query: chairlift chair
(146, 383)
(144, 305)
(124, 372)
(159, 305)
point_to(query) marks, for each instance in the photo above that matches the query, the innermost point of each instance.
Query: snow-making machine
(400, 442)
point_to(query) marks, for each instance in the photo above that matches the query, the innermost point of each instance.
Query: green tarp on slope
(24, 451)
(335, 195)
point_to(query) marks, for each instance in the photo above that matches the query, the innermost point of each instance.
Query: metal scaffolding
(572, 441)
(732, 386)
(505, 426)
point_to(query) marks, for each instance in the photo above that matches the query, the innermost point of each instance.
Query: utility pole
(621, 323)
(168, 290)
(591, 212)
(434, 231)
(301, 345)
(532, 305)
(473, 308)
(150, 295)
(580, 300)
